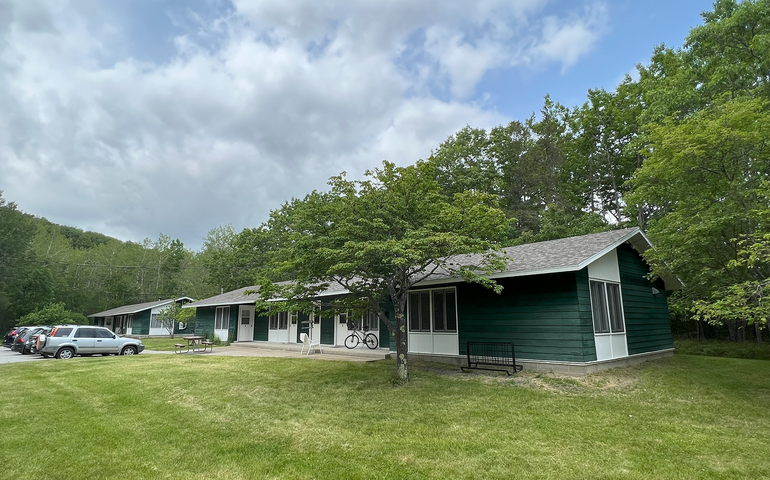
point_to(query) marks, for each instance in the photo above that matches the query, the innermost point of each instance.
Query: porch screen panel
(438, 311)
(615, 308)
(425, 311)
(414, 312)
(599, 308)
(451, 311)
(222, 319)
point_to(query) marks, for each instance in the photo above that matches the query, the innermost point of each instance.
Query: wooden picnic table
(193, 342)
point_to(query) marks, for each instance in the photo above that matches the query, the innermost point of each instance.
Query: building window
(222, 318)
(433, 310)
(371, 322)
(279, 321)
(606, 307)
(154, 322)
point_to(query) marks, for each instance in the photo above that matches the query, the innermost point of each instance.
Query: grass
(723, 348)
(161, 416)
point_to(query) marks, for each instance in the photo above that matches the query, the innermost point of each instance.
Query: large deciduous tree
(375, 239)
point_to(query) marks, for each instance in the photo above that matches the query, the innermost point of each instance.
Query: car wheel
(65, 353)
(129, 350)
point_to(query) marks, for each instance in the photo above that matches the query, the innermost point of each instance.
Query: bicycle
(369, 339)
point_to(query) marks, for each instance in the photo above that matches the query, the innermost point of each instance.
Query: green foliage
(723, 348)
(376, 238)
(173, 313)
(53, 314)
(703, 183)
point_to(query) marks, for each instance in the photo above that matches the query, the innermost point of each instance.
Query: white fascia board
(499, 275)
(219, 304)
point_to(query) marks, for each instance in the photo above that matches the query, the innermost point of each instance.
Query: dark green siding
(261, 325)
(648, 325)
(141, 323)
(327, 326)
(541, 315)
(204, 320)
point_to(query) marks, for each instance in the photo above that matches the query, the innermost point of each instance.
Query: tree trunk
(741, 330)
(758, 332)
(402, 360)
(732, 328)
(700, 333)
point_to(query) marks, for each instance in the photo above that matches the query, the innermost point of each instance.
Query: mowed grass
(166, 416)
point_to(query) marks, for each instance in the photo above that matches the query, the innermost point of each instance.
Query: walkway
(291, 350)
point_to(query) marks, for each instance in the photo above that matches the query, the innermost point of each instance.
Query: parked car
(66, 341)
(34, 343)
(10, 337)
(19, 339)
(24, 340)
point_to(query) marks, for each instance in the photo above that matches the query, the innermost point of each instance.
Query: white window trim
(607, 306)
(432, 310)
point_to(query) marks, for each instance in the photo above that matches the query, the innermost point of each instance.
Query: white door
(341, 329)
(246, 323)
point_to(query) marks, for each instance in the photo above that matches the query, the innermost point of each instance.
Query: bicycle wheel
(352, 341)
(371, 341)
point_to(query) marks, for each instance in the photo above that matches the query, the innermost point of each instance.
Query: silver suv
(66, 341)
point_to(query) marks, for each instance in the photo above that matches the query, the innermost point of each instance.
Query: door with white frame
(341, 327)
(246, 323)
(278, 328)
(609, 323)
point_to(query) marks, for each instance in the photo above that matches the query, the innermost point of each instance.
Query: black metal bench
(486, 355)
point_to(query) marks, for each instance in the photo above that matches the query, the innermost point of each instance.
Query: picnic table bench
(488, 355)
(196, 343)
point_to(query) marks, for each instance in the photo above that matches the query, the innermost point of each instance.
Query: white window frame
(601, 304)
(431, 309)
(222, 318)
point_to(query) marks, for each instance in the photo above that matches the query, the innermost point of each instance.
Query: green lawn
(183, 416)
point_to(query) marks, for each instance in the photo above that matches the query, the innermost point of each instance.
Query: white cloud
(565, 41)
(259, 104)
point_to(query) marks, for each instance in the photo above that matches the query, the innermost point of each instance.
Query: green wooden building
(577, 304)
(139, 319)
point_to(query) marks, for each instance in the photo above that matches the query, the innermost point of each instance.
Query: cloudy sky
(136, 117)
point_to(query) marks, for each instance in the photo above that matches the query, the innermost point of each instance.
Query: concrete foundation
(573, 368)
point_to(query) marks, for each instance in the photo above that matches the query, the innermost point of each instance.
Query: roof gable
(138, 307)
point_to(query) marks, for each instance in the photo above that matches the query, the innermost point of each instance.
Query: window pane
(245, 317)
(343, 318)
(616, 307)
(599, 308)
(103, 333)
(274, 321)
(374, 322)
(438, 311)
(451, 311)
(425, 311)
(283, 321)
(414, 312)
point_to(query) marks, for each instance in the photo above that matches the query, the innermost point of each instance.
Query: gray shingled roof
(235, 297)
(563, 255)
(136, 308)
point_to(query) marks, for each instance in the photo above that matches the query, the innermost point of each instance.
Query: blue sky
(133, 117)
